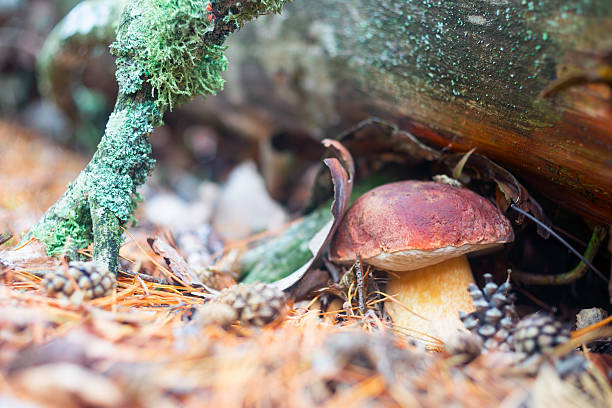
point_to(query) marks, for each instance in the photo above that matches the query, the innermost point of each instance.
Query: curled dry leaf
(376, 136)
(342, 170)
(183, 271)
(379, 140)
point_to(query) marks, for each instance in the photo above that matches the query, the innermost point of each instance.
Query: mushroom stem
(434, 296)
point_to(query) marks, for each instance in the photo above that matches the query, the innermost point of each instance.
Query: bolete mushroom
(420, 232)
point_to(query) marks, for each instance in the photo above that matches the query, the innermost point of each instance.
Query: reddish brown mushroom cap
(424, 222)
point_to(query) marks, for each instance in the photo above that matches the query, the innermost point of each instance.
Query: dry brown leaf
(174, 260)
(342, 170)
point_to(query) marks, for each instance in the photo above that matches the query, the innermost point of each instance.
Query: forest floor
(150, 345)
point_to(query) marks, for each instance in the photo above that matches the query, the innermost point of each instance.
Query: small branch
(599, 233)
(144, 277)
(359, 275)
(167, 52)
(5, 237)
(107, 236)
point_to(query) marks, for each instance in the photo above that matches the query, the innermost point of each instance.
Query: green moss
(67, 233)
(251, 9)
(74, 233)
(174, 47)
(167, 49)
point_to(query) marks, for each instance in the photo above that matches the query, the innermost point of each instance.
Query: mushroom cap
(411, 224)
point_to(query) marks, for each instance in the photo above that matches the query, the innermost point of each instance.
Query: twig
(333, 271)
(359, 275)
(592, 327)
(167, 52)
(144, 286)
(144, 277)
(598, 236)
(533, 298)
(378, 305)
(5, 237)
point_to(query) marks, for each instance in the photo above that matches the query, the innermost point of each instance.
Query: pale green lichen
(122, 161)
(107, 233)
(176, 50)
(110, 180)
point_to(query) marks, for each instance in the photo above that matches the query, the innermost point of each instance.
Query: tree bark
(458, 74)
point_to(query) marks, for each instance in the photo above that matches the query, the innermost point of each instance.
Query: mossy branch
(167, 52)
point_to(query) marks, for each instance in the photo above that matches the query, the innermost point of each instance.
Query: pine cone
(538, 333)
(93, 278)
(256, 304)
(215, 314)
(495, 314)
(464, 345)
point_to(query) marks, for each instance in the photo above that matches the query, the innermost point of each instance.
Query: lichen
(167, 52)
(178, 63)
(122, 161)
(107, 233)
(120, 165)
(251, 9)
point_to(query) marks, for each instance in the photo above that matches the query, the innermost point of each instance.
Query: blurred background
(58, 86)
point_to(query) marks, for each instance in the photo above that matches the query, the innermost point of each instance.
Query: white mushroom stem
(434, 296)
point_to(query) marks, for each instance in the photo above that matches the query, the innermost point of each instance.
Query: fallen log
(525, 83)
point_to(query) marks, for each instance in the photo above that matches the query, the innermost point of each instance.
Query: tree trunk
(461, 74)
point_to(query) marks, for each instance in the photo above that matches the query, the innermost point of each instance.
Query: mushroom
(419, 232)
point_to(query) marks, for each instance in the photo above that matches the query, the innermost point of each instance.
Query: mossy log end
(460, 74)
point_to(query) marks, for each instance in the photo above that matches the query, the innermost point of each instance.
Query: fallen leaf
(342, 173)
(174, 260)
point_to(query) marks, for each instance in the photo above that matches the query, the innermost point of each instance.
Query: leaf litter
(147, 345)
